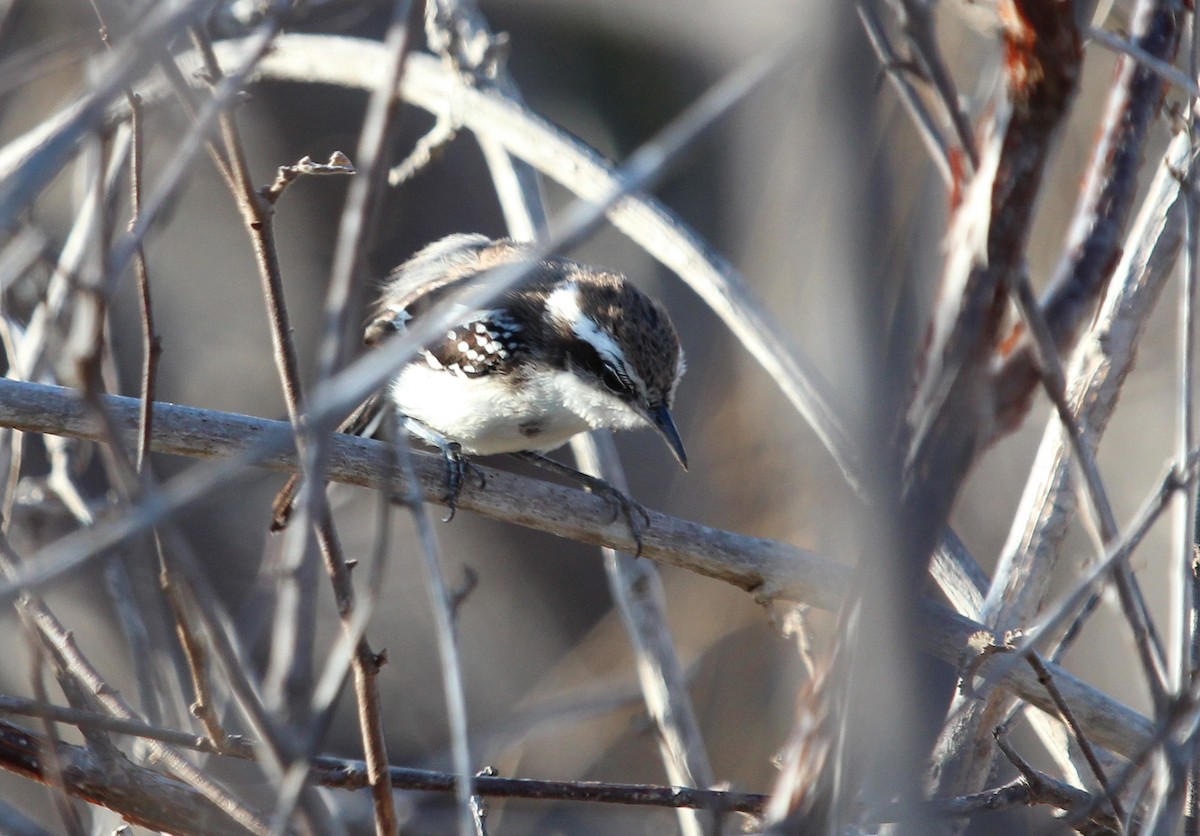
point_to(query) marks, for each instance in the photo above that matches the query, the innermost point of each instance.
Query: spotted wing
(486, 344)
(434, 272)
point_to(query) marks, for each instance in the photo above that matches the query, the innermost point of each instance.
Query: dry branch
(149, 798)
(500, 122)
(769, 569)
(140, 796)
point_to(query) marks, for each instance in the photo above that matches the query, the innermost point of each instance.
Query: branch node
(338, 163)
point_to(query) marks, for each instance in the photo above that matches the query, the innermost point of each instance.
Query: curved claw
(623, 504)
(456, 465)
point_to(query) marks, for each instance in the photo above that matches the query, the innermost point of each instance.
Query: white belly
(487, 416)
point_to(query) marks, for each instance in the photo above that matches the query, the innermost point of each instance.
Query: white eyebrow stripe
(563, 304)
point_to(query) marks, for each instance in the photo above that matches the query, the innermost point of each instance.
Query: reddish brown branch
(950, 416)
(1094, 244)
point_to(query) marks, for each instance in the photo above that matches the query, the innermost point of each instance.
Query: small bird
(570, 348)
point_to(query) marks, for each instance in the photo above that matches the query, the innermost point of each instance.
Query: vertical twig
(1184, 578)
(459, 32)
(1068, 717)
(289, 673)
(354, 225)
(447, 646)
(638, 593)
(935, 143)
(151, 342)
(1149, 646)
(1181, 757)
(67, 813)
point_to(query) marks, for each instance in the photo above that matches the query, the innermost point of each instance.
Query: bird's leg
(622, 504)
(457, 464)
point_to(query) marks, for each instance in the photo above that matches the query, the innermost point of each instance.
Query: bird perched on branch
(569, 348)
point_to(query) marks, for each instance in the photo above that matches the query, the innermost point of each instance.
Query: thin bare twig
(1133, 605)
(1068, 717)
(67, 814)
(233, 745)
(338, 163)
(155, 791)
(637, 589)
(1178, 798)
(443, 132)
(889, 59)
(1162, 68)
(1039, 784)
(332, 772)
(917, 17)
(342, 301)
(290, 668)
(195, 652)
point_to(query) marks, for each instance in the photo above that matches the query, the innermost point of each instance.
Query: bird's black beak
(665, 424)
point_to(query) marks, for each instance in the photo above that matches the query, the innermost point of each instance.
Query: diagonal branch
(766, 568)
(140, 796)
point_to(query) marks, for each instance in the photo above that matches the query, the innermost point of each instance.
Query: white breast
(487, 415)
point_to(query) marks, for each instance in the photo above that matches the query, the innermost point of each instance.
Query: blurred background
(816, 188)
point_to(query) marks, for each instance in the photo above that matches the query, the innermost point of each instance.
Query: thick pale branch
(769, 569)
(428, 84)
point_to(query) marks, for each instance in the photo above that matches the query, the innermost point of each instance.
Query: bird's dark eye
(584, 356)
(612, 380)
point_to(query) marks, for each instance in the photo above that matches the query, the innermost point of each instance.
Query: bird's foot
(637, 517)
(457, 468)
(457, 464)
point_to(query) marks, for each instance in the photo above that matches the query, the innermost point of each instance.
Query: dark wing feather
(483, 343)
(430, 275)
